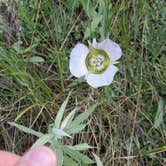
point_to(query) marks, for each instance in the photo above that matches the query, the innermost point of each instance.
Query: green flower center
(97, 61)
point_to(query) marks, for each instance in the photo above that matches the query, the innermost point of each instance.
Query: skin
(40, 156)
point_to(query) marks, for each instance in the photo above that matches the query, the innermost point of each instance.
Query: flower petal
(98, 80)
(78, 56)
(110, 47)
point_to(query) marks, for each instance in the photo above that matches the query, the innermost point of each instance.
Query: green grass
(130, 120)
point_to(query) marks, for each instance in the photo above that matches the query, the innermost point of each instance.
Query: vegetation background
(36, 38)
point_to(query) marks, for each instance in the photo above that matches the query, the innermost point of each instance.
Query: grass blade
(153, 151)
(35, 59)
(160, 114)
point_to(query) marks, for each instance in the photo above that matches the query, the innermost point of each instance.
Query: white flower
(96, 63)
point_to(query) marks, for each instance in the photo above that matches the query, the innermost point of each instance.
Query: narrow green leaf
(98, 161)
(80, 147)
(87, 32)
(17, 46)
(57, 147)
(69, 162)
(61, 112)
(60, 132)
(20, 50)
(68, 119)
(73, 129)
(81, 158)
(26, 129)
(34, 59)
(96, 20)
(30, 48)
(72, 4)
(87, 7)
(160, 114)
(60, 156)
(153, 151)
(84, 116)
(43, 140)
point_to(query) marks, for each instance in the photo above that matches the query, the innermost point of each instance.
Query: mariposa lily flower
(95, 63)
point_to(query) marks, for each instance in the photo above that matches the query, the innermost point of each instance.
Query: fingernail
(40, 156)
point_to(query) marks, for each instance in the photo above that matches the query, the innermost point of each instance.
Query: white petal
(98, 80)
(110, 47)
(77, 64)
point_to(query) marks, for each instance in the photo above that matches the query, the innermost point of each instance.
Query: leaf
(26, 129)
(94, 25)
(60, 132)
(20, 50)
(87, 7)
(72, 4)
(57, 147)
(31, 47)
(80, 147)
(17, 46)
(34, 59)
(59, 153)
(96, 20)
(75, 128)
(98, 161)
(83, 116)
(78, 156)
(60, 113)
(68, 119)
(69, 162)
(43, 140)
(153, 151)
(160, 114)
(87, 32)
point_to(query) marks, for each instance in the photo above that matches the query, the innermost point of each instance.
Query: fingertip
(8, 159)
(40, 156)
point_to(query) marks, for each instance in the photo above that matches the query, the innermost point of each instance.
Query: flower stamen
(97, 61)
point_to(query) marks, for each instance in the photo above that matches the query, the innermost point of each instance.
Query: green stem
(155, 150)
